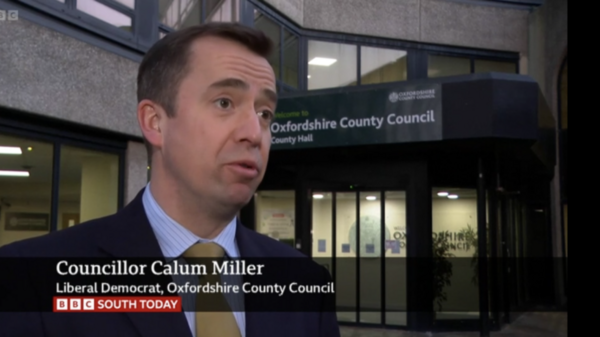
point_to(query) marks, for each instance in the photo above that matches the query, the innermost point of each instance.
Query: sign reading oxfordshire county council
(381, 116)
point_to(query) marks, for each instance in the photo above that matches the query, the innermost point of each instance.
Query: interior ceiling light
(5, 173)
(10, 150)
(318, 196)
(371, 197)
(322, 61)
(453, 196)
(443, 194)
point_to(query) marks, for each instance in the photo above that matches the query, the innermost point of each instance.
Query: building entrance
(359, 234)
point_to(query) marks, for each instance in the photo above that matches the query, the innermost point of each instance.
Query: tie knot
(204, 250)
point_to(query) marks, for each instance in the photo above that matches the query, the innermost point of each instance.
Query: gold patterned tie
(213, 314)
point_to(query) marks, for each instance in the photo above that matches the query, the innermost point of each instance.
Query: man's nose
(249, 127)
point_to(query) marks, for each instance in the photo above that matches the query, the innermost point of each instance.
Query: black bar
(358, 65)
(281, 41)
(419, 252)
(482, 243)
(121, 191)
(246, 13)
(505, 276)
(357, 257)
(303, 213)
(383, 250)
(55, 187)
(493, 214)
(248, 214)
(334, 234)
(146, 22)
(303, 63)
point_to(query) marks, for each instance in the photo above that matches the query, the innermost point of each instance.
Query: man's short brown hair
(166, 64)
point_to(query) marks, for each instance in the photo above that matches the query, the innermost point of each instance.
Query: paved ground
(547, 324)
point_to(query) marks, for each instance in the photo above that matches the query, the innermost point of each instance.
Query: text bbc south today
(117, 304)
(9, 15)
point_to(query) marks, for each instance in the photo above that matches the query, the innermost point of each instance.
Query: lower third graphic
(117, 304)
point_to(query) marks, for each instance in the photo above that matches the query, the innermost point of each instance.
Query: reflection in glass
(25, 201)
(370, 257)
(440, 66)
(105, 13)
(485, 66)
(395, 258)
(378, 65)
(346, 257)
(290, 59)
(331, 65)
(222, 11)
(454, 215)
(89, 185)
(275, 215)
(180, 13)
(273, 32)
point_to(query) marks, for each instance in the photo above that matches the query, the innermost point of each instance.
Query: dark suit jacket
(128, 234)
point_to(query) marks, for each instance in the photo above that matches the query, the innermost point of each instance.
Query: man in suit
(207, 96)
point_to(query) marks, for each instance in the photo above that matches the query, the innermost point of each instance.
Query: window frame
(146, 29)
(59, 134)
(481, 57)
(140, 38)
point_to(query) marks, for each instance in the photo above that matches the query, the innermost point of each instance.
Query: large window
(25, 188)
(331, 65)
(273, 32)
(106, 13)
(378, 65)
(442, 65)
(40, 192)
(486, 66)
(89, 185)
(222, 11)
(284, 58)
(454, 215)
(179, 14)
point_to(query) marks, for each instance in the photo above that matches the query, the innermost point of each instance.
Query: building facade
(486, 157)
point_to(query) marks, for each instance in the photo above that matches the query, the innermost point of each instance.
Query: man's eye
(224, 103)
(266, 114)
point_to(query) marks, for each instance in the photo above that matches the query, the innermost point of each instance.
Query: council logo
(393, 97)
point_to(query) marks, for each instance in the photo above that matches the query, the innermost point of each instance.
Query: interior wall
(454, 216)
(40, 204)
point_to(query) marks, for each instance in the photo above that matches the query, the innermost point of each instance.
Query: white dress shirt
(174, 240)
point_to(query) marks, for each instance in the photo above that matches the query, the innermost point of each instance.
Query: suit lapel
(255, 322)
(129, 235)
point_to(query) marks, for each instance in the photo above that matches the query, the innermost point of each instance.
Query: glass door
(359, 235)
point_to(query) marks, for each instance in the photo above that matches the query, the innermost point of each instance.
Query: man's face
(217, 145)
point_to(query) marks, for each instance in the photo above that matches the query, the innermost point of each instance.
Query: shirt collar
(175, 239)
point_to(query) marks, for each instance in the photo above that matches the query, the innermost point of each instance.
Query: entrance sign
(409, 113)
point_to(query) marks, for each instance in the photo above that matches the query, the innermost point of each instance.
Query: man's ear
(149, 115)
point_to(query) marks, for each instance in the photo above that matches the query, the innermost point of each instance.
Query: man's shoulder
(73, 241)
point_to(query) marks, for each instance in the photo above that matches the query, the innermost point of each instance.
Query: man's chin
(241, 194)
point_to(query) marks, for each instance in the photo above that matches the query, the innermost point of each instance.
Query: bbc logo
(75, 304)
(10, 15)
